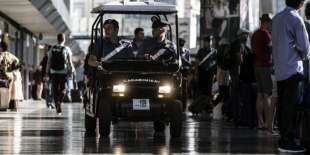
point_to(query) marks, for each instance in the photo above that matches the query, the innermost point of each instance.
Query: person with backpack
(60, 67)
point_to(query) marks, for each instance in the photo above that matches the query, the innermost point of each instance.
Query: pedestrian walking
(60, 67)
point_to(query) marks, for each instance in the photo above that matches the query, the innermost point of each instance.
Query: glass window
(2, 27)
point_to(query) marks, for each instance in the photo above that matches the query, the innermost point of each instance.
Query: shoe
(261, 128)
(59, 113)
(58, 108)
(90, 134)
(291, 149)
(273, 133)
(13, 110)
(12, 106)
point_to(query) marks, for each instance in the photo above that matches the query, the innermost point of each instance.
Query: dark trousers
(48, 94)
(235, 92)
(59, 87)
(206, 81)
(288, 94)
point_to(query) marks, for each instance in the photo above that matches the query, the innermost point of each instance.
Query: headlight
(164, 89)
(119, 88)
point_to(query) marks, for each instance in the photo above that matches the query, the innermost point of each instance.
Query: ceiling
(27, 15)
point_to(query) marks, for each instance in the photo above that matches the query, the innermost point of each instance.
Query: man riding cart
(132, 84)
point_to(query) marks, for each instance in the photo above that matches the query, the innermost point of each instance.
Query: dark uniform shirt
(108, 47)
(186, 60)
(185, 53)
(133, 52)
(208, 64)
(154, 48)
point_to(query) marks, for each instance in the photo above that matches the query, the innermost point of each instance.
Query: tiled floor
(37, 130)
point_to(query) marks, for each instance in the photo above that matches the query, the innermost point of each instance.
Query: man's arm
(93, 52)
(302, 40)
(268, 42)
(92, 61)
(71, 66)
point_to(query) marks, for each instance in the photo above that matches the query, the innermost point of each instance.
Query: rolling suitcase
(4, 98)
(75, 95)
(4, 95)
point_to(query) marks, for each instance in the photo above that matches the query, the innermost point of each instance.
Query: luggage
(76, 96)
(4, 83)
(201, 103)
(247, 105)
(34, 91)
(4, 98)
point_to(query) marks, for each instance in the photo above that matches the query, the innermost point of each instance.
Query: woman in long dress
(10, 66)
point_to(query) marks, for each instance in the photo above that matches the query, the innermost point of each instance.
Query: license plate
(141, 104)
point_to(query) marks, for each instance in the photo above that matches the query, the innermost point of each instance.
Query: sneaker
(58, 108)
(291, 149)
(13, 110)
(273, 133)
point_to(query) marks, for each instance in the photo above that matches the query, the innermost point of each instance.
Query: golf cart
(131, 89)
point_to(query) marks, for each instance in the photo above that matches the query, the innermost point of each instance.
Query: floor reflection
(36, 130)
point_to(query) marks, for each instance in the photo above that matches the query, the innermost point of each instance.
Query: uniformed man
(112, 45)
(137, 42)
(139, 38)
(159, 48)
(206, 64)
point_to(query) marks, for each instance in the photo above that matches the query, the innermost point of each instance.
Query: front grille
(142, 92)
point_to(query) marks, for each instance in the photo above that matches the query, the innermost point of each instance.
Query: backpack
(201, 103)
(58, 58)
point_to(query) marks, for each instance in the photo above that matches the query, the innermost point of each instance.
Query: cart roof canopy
(125, 7)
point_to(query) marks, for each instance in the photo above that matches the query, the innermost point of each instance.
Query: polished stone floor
(37, 130)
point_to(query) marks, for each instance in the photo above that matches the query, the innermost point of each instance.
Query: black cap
(266, 18)
(182, 41)
(111, 21)
(157, 23)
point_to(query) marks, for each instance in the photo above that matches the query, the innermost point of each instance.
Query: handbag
(4, 80)
(4, 83)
